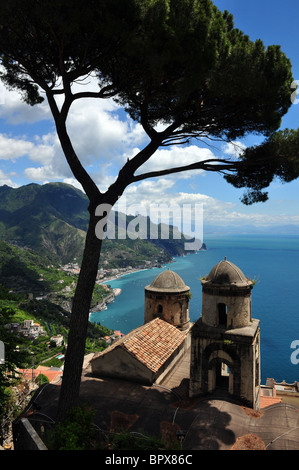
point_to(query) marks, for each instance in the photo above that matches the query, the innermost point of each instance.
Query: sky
(104, 137)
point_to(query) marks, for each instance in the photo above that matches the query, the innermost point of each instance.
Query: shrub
(75, 432)
(41, 379)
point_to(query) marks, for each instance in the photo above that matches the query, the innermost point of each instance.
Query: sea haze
(272, 260)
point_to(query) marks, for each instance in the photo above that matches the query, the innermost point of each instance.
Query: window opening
(222, 314)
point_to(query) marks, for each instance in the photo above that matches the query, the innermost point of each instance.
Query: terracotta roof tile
(268, 401)
(49, 372)
(152, 343)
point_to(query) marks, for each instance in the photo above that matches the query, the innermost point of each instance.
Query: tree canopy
(278, 155)
(179, 64)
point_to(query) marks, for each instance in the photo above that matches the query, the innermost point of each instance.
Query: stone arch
(213, 357)
(216, 376)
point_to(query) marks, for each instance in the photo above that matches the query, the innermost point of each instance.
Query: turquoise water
(272, 260)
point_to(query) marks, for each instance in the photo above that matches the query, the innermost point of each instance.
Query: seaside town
(109, 274)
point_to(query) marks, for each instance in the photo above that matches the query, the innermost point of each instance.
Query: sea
(271, 260)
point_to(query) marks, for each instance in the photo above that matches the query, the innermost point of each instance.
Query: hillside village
(28, 328)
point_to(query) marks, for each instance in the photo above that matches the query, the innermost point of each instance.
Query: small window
(160, 309)
(222, 314)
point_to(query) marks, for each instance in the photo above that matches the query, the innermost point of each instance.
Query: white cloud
(148, 196)
(233, 149)
(104, 138)
(98, 133)
(6, 179)
(161, 192)
(15, 111)
(11, 149)
(177, 156)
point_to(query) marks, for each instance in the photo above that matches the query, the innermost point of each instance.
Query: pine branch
(216, 165)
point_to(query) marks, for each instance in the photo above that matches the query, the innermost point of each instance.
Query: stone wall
(25, 436)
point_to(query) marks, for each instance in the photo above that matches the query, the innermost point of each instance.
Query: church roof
(226, 272)
(151, 344)
(168, 281)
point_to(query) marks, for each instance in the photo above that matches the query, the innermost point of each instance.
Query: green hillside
(52, 220)
(24, 271)
(53, 319)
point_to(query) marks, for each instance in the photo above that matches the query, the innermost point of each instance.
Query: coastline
(131, 271)
(103, 305)
(150, 265)
(117, 291)
(126, 272)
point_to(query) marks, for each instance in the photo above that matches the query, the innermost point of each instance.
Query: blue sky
(105, 137)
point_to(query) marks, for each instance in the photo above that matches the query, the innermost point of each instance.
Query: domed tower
(226, 297)
(167, 297)
(225, 343)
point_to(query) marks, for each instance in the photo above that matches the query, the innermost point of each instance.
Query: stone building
(167, 297)
(225, 344)
(148, 353)
(145, 355)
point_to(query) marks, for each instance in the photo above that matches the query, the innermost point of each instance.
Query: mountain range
(52, 220)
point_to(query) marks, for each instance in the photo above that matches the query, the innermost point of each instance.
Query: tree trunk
(69, 394)
(70, 388)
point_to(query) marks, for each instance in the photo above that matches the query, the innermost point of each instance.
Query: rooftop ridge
(141, 343)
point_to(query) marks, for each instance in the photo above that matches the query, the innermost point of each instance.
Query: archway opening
(222, 376)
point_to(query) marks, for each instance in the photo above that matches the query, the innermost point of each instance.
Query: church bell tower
(225, 342)
(167, 297)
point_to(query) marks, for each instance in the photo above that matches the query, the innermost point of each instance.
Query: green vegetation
(182, 64)
(23, 352)
(25, 271)
(54, 320)
(75, 432)
(16, 355)
(188, 295)
(78, 432)
(135, 253)
(41, 379)
(51, 222)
